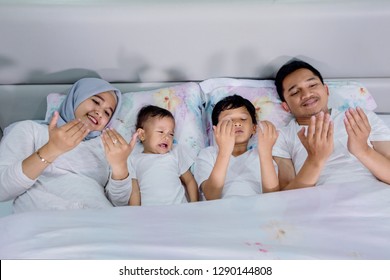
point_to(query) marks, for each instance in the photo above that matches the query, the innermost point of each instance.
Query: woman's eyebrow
(101, 98)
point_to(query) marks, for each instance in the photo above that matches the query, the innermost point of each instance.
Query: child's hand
(225, 136)
(117, 151)
(266, 136)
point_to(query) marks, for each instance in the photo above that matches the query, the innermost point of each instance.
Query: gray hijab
(80, 91)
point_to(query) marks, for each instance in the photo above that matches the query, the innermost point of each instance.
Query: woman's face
(96, 111)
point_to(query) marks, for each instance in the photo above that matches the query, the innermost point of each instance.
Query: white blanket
(326, 222)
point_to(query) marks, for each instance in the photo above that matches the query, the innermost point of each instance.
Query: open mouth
(163, 146)
(93, 120)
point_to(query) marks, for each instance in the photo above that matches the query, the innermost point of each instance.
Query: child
(161, 171)
(230, 168)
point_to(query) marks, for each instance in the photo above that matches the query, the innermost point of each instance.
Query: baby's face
(158, 135)
(242, 122)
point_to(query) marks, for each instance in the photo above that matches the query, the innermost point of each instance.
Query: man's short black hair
(290, 67)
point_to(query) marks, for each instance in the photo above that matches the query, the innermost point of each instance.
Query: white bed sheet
(385, 118)
(326, 222)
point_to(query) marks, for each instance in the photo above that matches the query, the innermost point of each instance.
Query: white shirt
(158, 176)
(341, 166)
(76, 179)
(243, 174)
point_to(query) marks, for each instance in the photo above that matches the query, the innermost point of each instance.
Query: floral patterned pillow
(263, 95)
(54, 101)
(346, 94)
(184, 101)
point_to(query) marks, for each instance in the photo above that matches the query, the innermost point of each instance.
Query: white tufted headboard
(48, 43)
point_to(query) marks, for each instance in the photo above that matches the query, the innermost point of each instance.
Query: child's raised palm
(225, 136)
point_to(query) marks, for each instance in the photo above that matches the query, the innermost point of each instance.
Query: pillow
(184, 101)
(54, 101)
(263, 95)
(346, 94)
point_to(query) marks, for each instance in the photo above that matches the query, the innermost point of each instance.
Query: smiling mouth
(92, 120)
(310, 102)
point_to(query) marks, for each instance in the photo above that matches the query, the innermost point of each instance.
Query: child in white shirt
(230, 168)
(161, 173)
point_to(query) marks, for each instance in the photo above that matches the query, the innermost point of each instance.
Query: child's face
(157, 135)
(242, 121)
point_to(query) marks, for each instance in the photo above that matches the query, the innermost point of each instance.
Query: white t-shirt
(243, 175)
(158, 176)
(74, 180)
(341, 166)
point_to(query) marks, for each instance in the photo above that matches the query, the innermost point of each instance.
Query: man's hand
(358, 129)
(319, 139)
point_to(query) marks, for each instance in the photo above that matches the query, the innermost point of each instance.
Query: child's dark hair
(151, 111)
(290, 67)
(233, 102)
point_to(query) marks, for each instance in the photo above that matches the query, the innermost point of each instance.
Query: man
(322, 145)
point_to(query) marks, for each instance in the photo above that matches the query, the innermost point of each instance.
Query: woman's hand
(65, 138)
(117, 151)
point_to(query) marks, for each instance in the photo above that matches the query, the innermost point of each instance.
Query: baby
(161, 173)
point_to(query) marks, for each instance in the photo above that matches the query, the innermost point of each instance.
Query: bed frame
(47, 47)
(141, 45)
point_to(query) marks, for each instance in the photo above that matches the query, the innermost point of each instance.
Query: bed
(198, 51)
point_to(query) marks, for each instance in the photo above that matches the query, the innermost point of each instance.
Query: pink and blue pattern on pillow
(54, 101)
(349, 94)
(184, 101)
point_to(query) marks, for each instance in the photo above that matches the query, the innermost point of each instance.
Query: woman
(63, 165)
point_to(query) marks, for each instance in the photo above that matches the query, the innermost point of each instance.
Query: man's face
(304, 93)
